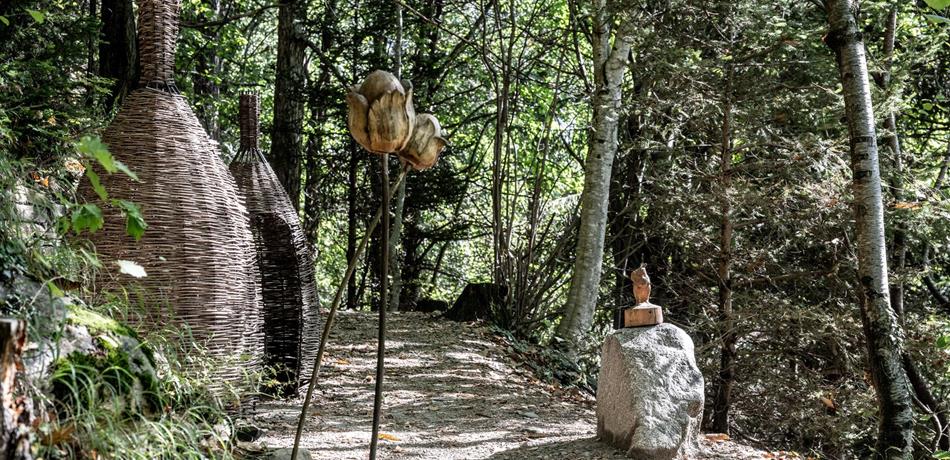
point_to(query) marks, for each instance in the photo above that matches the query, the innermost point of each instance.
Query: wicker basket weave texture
(198, 250)
(292, 321)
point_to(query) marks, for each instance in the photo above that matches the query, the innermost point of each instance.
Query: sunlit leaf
(937, 4)
(37, 16)
(131, 268)
(4, 20)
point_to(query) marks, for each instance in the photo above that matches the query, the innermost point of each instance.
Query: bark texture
(882, 331)
(727, 355)
(610, 59)
(117, 52)
(289, 97)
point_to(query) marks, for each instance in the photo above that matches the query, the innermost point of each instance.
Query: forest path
(451, 392)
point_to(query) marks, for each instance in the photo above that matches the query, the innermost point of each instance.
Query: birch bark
(881, 328)
(610, 53)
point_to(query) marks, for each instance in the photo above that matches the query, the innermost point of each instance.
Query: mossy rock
(107, 365)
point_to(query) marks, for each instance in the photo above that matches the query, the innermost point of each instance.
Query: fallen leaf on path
(717, 437)
(387, 437)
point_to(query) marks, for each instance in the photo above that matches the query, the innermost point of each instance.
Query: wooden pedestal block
(644, 314)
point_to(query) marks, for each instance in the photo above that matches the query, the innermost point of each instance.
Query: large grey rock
(650, 393)
(284, 454)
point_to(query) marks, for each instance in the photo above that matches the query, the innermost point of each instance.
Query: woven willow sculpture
(197, 251)
(291, 314)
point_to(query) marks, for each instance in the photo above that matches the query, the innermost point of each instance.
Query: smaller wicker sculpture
(291, 314)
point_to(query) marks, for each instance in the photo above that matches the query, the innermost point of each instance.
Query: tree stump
(477, 301)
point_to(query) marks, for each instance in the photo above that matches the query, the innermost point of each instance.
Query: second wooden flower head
(381, 115)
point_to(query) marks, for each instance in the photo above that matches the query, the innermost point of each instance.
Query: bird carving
(641, 284)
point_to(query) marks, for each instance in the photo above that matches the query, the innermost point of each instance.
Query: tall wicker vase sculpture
(291, 314)
(197, 251)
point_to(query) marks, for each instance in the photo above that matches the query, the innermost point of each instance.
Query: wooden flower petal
(356, 117)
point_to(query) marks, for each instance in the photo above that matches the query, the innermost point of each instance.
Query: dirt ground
(451, 392)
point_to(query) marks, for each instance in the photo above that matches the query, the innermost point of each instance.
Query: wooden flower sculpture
(426, 144)
(381, 115)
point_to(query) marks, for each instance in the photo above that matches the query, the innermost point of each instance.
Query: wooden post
(645, 314)
(16, 413)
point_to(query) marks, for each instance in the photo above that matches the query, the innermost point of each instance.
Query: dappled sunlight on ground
(451, 393)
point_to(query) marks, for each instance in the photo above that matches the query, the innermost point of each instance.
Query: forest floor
(452, 391)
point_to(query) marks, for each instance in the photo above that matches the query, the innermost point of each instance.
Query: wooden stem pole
(383, 303)
(337, 299)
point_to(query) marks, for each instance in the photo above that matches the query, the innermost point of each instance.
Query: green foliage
(123, 402)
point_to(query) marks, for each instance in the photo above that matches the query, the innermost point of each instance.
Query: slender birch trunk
(610, 62)
(881, 327)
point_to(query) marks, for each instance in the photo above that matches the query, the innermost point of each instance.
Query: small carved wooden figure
(643, 313)
(641, 284)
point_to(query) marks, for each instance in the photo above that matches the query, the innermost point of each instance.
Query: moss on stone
(96, 322)
(120, 367)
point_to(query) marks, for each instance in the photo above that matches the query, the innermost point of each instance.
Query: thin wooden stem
(337, 298)
(383, 303)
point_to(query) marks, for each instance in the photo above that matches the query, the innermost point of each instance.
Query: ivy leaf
(96, 184)
(134, 222)
(937, 4)
(131, 268)
(37, 16)
(87, 217)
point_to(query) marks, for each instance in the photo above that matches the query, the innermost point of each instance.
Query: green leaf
(937, 4)
(38, 16)
(943, 341)
(54, 290)
(92, 147)
(937, 19)
(940, 455)
(96, 184)
(134, 222)
(87, 217)
(131, 268)
(4, 20)
(125, 169)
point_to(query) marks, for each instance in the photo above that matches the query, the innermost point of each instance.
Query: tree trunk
(928, 278)
(892, 143)
(610, 62)
(395, 238)
(17, 413)
(289, 96)
(351, 191)
(727, 356)
(883, 333)
(118, 56)
(207, 65)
